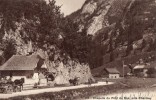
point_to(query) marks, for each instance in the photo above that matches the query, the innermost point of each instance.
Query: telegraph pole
(123, 68)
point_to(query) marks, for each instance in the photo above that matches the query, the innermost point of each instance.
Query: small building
(112, 73)
(141, 70)
(152, 70)
(21, 66)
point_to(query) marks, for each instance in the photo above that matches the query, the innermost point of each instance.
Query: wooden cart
(6, 87)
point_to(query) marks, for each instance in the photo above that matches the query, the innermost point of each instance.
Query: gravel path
(54, 89)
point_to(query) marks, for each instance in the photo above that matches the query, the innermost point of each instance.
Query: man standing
(106, 81)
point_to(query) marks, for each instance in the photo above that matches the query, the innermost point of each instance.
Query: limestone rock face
(122, 27)
(64, 72)
(82, 71)
(22, 47)
(138, 44)
(89, 8)
(65, 69)
(97, 23)
(61, 71)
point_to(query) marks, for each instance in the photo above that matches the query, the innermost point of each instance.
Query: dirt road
(55, 89)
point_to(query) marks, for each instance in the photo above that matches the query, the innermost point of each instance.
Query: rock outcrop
(64, 70)
(122, 27)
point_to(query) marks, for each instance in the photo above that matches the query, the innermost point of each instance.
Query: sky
(69, 6)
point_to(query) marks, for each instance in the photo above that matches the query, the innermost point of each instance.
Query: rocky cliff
(121, 27)
(36, 29)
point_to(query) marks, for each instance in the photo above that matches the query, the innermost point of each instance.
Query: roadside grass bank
(131, 84)
(69, 94)
(85, 93)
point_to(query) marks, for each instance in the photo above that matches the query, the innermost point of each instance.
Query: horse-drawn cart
(6, 87)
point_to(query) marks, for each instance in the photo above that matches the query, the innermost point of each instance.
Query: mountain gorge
(119, 28)
(101, 32)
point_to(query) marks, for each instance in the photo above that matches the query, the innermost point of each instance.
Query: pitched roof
(21, 62)
(112, 70)
(141, 67)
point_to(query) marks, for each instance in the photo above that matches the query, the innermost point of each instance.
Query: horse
(74, 81)
(18, 83)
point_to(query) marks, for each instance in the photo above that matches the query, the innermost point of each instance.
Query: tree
(9, 48)
(75, 43)
(43, 24)
(151, 71)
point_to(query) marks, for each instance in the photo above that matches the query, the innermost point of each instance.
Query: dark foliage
(43, 24)
(8, 46)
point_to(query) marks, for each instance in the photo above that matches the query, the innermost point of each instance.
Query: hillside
(119, 28)
(36, 27)
(100, 33)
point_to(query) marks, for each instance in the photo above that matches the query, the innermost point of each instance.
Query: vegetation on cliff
(119, 28)
(42, 24)
(35, 26)
(100, 32)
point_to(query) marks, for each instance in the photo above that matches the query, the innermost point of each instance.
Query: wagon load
(6, 86)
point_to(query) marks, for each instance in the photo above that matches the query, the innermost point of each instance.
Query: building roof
(141, 67)
(21, 62)
(119, 67)
(112, 70)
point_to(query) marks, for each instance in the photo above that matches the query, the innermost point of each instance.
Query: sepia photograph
(77, 49)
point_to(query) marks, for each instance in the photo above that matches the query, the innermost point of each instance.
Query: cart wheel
(8, 89)
(15, 89)
(4, 90)
(18, 89)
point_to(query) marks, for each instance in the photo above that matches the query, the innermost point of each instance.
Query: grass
(129, 83)
(133, 82)
(140, 82)
(69, 94)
